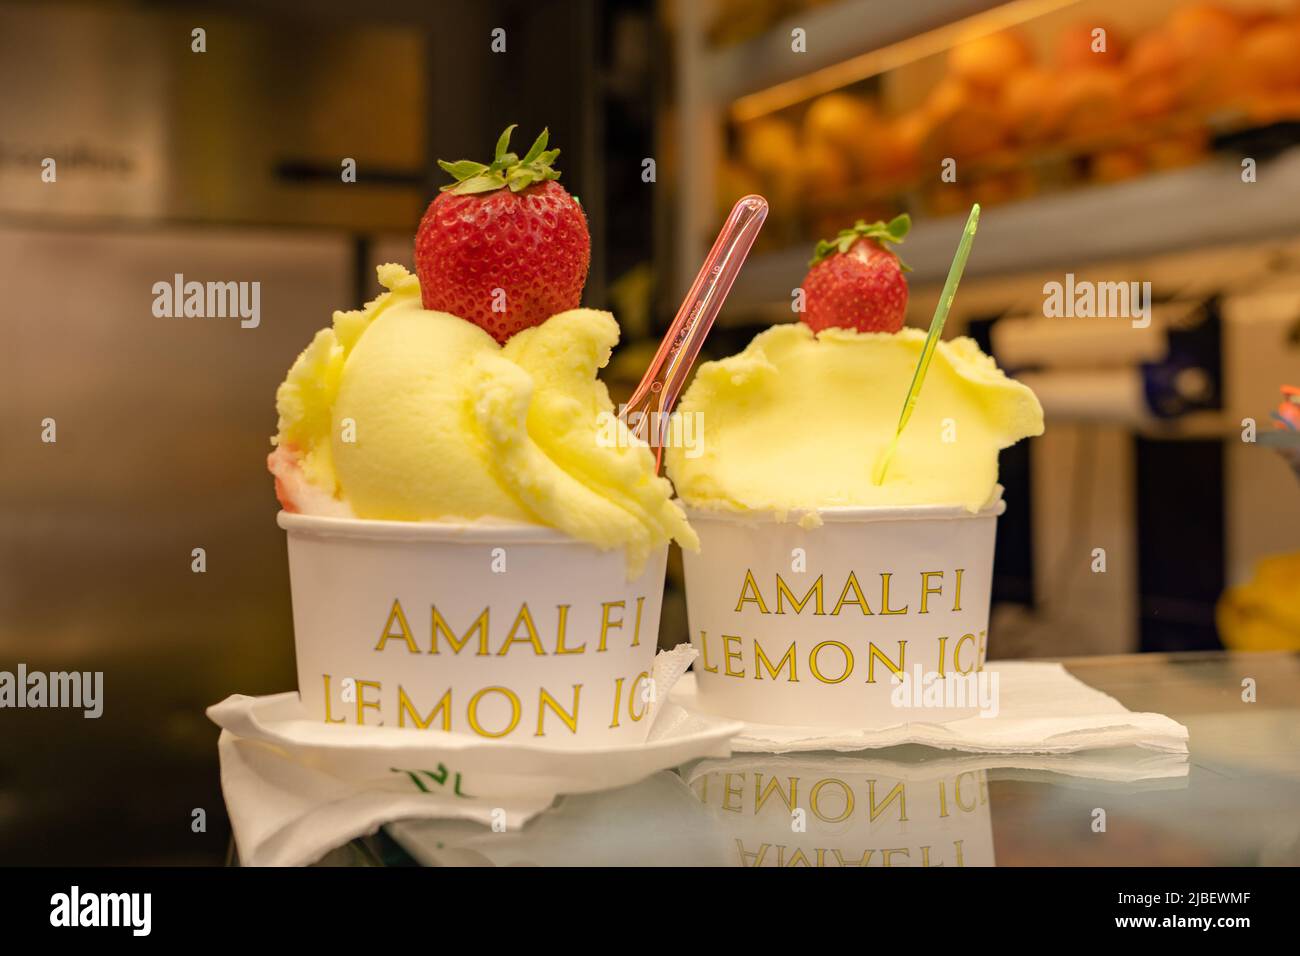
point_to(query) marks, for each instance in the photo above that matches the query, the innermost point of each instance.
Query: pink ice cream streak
(296, 493)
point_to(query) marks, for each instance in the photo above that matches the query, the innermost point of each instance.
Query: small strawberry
(856, 281)
(505, 246)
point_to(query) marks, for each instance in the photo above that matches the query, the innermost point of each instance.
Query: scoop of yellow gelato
(798, 420)
(400, 413)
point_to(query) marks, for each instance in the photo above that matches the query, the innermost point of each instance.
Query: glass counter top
(1233, 801)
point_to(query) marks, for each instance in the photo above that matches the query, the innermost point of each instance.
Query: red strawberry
(505, 246)
(856, 281)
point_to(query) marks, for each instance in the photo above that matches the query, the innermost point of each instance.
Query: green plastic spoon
(932, 339)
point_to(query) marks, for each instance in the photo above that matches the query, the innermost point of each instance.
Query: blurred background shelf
(840, 31)
(1019, 104)
(1162, 212)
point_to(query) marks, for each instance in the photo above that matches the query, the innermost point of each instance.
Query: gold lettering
(636, 629)
(761, 793)
(754, 858)
(618, 699)
(514, 711)
(404, 707)
(728, 791)
(859, 599)
(398, 615)
(702, 788)
(862, 860)
(632, 696)
(889, 855)
(606, 625)
(704, 653)
(440, 626)
(731, 655)
(328, 720)
(884, 595)
(956, 604)
(899, 793)
(749, 586)
(943, 646)
(563, 626)
(546, 700)
(956, 793)
(874, 653)
(783, 593)
(525, 618)
(362, 703)
(956, 654)
(761, 662)
(926, 590)
(816, 792)
(848, 661)
(799, 859)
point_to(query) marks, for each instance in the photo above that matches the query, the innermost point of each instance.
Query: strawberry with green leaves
(504, 246)
(856, 280)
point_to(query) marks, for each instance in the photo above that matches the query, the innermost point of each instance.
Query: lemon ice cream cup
(829, 625)
(476, 542)
(819, 597)
(499, 631)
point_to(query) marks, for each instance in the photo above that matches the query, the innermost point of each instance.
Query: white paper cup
(809, 626)
(854, 811)
(510, 632)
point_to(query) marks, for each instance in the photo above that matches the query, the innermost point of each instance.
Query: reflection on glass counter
(1229, 804)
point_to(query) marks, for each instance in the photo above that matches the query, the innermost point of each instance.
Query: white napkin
(1043, 709)
(296, 788)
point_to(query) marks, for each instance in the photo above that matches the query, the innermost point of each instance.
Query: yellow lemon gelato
(798, 420)
(400, 413)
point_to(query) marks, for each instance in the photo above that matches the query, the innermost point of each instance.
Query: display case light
(893, 56)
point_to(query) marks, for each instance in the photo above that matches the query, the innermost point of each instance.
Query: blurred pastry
(1074, 47)
(1269, 56)
(1089, 104)
(1171, 152)
(1028, 102)
(824, 168)
(733, 182)
(964, 122)
(945, 199)
(984, 62)
(998, 188)
(1114, 165)
(1205, 30)
(894, 157)
(1208, 38)
(846, 122)
(769, 145)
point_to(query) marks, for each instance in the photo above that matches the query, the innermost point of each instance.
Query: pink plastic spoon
(654, 398)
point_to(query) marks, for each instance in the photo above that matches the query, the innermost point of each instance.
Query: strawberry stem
(506, 168)
(882, 232)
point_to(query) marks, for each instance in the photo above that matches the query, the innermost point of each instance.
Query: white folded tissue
(1042, 709)
(296, 788)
